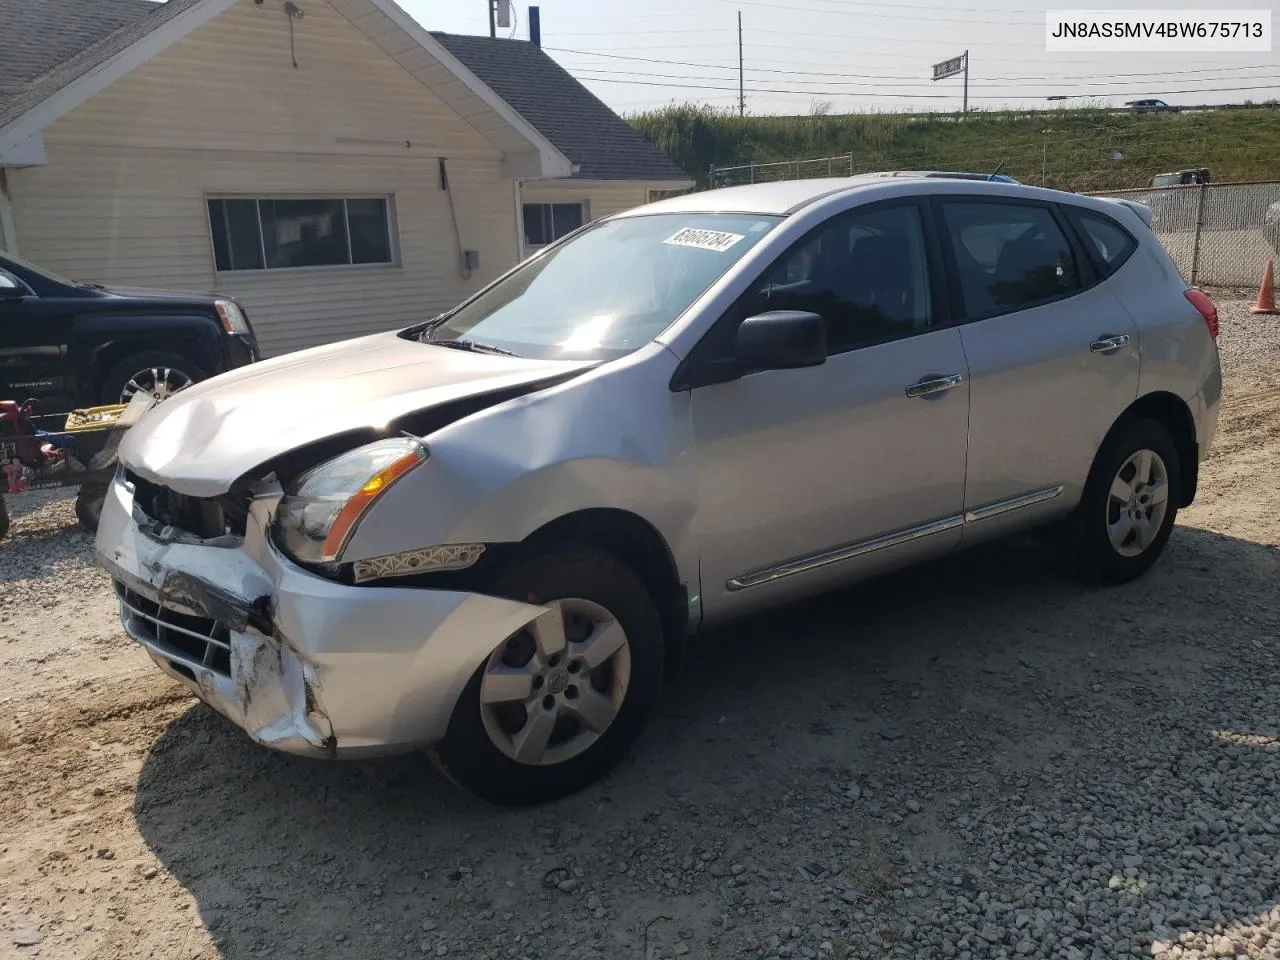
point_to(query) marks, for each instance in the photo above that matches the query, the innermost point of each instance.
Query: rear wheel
(1130, 503)
(557, 704)
(157, 373)
(4, 519)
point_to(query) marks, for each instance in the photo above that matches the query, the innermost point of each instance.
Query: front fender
(615, 437)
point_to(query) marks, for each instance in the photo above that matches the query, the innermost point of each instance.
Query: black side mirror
(782, 340)
(10, 288)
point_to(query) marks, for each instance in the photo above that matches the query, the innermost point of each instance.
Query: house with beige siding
(331, 163)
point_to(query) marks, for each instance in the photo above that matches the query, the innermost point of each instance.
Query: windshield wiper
(474, 347)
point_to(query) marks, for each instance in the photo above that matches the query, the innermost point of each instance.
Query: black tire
(1095, 558)
(118, 377)
(89, 505)
(4, 520)
(470, 757)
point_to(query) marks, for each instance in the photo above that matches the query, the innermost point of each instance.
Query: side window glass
(866, 274)
(1009, 256)
(1110, 242)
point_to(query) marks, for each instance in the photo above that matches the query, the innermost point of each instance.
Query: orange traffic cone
(1266, 294)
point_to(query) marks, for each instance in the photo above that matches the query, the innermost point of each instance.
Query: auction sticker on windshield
(704, 239)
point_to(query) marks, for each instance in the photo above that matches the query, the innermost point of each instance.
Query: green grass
(1074, 148)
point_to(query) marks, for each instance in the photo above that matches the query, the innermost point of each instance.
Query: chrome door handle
(1109, 344)
(932, 385)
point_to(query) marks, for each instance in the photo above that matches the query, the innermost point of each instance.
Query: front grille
(187, 641)
(205, 517)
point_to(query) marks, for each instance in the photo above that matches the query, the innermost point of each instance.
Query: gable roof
(46, 45)
(601, 144)
(113, 37)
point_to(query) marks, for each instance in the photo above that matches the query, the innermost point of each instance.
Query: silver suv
(491, 533)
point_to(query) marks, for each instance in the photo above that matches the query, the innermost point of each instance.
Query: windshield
(38, 271)
(607, 291)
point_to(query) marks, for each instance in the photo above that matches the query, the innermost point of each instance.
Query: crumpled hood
(201, 440)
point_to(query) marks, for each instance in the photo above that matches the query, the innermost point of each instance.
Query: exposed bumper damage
(300, 663)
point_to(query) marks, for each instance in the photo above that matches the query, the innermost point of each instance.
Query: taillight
(1200, 300)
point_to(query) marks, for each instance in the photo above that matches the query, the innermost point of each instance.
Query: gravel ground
(975, 759)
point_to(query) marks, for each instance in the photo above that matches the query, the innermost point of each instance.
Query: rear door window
(1108, 242)
(1009, 256)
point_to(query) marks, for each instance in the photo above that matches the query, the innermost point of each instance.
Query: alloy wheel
(550, 691)
(159, 382)
(1138, 503)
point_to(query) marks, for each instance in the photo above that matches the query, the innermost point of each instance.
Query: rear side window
(1009, 256)
(1109, 242)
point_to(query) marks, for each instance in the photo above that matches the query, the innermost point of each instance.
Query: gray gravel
(1249, 344)
(976, 759)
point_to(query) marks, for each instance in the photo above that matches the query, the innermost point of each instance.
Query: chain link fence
(1217, 233)
(841, 166)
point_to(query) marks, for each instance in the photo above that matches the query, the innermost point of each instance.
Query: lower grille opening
(188, 641)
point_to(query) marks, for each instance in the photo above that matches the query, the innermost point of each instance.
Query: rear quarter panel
(1177, 353)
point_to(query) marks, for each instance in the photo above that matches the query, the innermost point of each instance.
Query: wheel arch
(638, 544)
(1172, 412)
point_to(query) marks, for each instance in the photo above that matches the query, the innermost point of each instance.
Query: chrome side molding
(847, 552)
(894, 539)
(987, 511)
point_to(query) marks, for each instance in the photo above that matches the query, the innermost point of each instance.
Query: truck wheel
(89, 503)
(156, 372)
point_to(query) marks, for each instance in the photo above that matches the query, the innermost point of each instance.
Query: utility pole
(966, 82)
(742, 94)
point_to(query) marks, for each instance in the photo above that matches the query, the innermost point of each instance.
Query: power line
(880, 84)
(885, 76)
(860, 14)
(900, 96)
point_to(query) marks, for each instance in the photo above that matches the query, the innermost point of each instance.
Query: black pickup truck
(70, 345)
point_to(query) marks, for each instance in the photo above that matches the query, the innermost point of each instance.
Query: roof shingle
(47, 44)
(580, 125)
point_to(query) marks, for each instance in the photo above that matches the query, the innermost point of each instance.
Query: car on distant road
(1147, 105)
(490, 534)
(67, 344)
(1180, 178)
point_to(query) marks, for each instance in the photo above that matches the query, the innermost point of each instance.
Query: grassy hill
(1075, 149)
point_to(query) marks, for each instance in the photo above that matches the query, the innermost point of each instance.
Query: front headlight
(320, 510)
(232, 317)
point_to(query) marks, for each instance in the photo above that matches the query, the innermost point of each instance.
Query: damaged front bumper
(300, 663)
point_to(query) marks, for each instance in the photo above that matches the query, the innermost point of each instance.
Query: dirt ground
(977, 758)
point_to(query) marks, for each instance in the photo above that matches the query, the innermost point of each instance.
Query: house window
(277, 233)
(547, 222)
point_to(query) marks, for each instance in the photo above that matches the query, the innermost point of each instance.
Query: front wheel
(156, 373)
(558, 703)
(1130, 502)
(89, 502)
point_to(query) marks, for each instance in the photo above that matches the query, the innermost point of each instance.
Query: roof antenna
(992, 174)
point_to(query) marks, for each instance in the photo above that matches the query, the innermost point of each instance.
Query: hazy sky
(853, 54)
